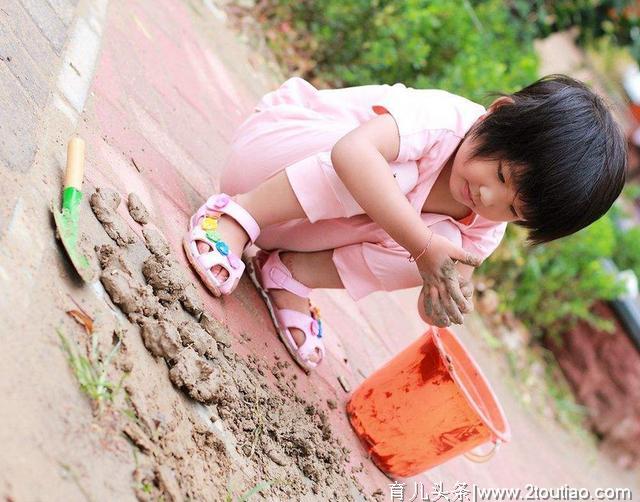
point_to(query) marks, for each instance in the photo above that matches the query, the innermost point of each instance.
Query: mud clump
(194, 336)
(154, 241)
(191, 301)
(216, 329)
(138, 437)
(161, 338)
(134, 299)
(168, 484)
(137, 210)
(197, 376)
(164, 276)
(192, 372)
(104, 203)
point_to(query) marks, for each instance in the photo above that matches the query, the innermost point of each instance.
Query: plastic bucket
(428, 404)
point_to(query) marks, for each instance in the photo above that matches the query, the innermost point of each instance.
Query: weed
(73, 475)
(91, 371)
(263, 485)
(259, 417)
(257, 488)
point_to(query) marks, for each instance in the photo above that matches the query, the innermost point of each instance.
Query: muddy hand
(466, 286)
(443, 297)
(434, 309)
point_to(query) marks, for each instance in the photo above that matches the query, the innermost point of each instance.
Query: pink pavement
(166, 99)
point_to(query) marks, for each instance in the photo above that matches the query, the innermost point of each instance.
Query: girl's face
(484, 185)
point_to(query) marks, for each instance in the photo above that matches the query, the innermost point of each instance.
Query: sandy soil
(223, 416)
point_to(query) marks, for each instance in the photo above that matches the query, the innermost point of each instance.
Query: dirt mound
(280, 442)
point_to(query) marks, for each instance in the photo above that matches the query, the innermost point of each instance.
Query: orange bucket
(428, 404)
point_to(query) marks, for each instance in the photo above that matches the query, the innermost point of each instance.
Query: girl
(384, 187)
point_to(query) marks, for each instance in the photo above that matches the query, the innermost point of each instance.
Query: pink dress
(294, 128)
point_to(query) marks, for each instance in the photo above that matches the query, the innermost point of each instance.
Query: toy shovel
(67, 220)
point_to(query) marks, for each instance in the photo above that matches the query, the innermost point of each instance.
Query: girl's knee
(233, 181)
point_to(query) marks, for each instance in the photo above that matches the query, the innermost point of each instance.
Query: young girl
(384, 187)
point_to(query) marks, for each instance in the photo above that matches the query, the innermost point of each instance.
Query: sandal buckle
(221, 201)
(234, 261)
(315, 328)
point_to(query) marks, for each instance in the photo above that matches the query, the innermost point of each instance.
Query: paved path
(157, 87)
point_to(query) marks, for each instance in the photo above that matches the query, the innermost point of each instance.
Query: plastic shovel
(67, 219)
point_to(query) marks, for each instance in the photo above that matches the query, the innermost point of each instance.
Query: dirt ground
(130, 387)
(181, 411)
(140, 385)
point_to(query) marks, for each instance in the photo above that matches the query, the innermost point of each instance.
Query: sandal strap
(229, 262)
(223, 203)
(275, 275)
(295, 319)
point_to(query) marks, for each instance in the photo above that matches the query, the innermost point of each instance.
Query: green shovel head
(67, 225)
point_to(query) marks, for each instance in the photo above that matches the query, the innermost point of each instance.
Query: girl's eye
(500, 177)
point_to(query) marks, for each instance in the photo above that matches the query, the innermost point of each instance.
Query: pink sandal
(203, 227)
(268, 272)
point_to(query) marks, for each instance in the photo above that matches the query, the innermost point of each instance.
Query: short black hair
(568, 154)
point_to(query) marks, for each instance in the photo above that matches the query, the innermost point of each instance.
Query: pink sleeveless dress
(294, 128)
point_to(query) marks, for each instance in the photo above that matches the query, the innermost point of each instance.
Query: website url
(533, 492)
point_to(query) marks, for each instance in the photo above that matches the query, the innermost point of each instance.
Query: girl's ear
(502, 100)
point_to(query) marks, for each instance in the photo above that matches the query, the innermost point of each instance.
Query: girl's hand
(466, 287)
(445, 295)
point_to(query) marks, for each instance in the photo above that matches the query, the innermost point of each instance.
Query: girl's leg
(273, 201)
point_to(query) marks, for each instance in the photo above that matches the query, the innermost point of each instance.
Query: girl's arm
(361, 160)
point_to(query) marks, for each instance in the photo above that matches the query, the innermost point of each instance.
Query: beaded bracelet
(412, 259)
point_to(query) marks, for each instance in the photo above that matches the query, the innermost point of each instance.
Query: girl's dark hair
(567, 153)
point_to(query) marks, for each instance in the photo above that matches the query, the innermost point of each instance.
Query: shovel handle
(74, 173)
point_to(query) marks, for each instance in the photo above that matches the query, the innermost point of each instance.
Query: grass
(257, 488)
(71, 473)
(259, 417)
(91, 372)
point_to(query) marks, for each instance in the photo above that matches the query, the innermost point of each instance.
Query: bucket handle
(480, 458)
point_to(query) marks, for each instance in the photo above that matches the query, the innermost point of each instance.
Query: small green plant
(146, 487)
(91, 371)
(257, 488)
